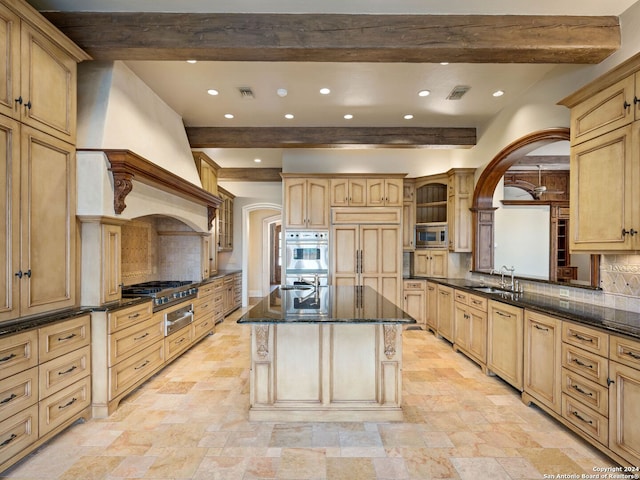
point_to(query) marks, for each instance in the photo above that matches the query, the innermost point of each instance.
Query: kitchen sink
(489, 289)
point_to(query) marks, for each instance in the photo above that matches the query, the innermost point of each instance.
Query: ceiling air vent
(458, 92)
(246, 92)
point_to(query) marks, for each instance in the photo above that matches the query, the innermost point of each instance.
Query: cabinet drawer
(414, 285)
(18, 432)
(18, 352)
(18, 392)
(133, 339)
(589, 393)
(60, 338)
(587, 364)
(461, 296)
(203, 326)
(203, 309)
(178, 341)
(129, 316)
(587, 338)
(206, 289)
(478, 302)
(63, 405)
(133, 369)
(587, 420)
(624, 350)
(61, 372)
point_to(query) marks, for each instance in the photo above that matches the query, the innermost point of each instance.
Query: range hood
(131, 144)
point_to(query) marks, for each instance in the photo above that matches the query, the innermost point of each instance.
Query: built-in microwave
(431, 235)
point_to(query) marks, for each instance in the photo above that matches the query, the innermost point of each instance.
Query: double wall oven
(306, 257)
(169, 297)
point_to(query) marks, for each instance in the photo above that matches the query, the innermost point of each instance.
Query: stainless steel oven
(306, 255)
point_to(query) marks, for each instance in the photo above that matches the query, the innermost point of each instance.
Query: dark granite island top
(327, 304)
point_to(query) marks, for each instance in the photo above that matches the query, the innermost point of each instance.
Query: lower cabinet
(470, 320)
(430, 262)
(505, 343)
(432, 306)
(45, 385)
(542, 359)
(445, 312)
(414, 293)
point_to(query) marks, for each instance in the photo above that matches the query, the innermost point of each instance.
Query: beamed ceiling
(339, 38)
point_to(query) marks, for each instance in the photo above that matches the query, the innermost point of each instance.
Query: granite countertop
(609, 319)
(218, 274)
(22, 324)
(327, 304)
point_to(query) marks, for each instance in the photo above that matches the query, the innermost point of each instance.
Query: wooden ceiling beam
(250, 175)
(341, 37)
(330, 137)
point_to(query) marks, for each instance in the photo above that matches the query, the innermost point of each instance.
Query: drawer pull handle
(141, 336)
(540, 328)
(582, 364)
(579, 390)
(633, 355)
(146, 362)
(476, 302)
(68, 371)
(8, 399)
(577, 415)
(68, 404)
(7, 358)
(68, 337)
(580, 337)
(9, 440)
(135, 315)
(180, 341)
(502, 314)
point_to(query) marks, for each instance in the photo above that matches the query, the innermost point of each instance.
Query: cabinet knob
(19, 100)
(28, 105)
(626, 105)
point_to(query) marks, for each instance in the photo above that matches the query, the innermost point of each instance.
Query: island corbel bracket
(126, 166)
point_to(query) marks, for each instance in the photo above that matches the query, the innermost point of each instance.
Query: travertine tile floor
(190, 422)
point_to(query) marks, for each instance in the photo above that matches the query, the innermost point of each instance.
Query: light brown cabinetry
(306, 202)
(624, 398)
(585, 369)
(605, 160)
(415, 303)
(368, 255)
(460, 199)
(39, 72)
(432, 306)
(408, 216)
(232, 285)
(225, 222)
(445, 312)
(470, 326)
(348, 192)
(386, 192)
(431, 262)
(543, 359)
(45, 385)
(208, 171)
(505, 342)
(39, 222)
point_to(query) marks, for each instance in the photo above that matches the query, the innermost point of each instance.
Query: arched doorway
(483, 209)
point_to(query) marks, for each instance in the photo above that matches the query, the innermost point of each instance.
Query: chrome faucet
(504, 270)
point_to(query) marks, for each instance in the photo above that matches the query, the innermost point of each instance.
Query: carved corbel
(122, 186)
(211, 215)
(390, 338)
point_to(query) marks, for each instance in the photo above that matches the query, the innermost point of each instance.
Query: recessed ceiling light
(257, 160)
(444, 63)
(192, 61)
(228, 115)
(348, 116)
(282, 92)
(213, 91)
(424, 93)
(408, 116)
(288, 116)
(498, 93)
(325, 91)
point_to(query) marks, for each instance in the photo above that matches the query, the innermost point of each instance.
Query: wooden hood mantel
(126, 165)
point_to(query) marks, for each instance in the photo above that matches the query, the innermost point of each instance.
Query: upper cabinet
(348, 192)
(208, 171)
(384, 192)
(39, 72)
(366, 192)
(605, 162)
(225, 222)
(306, 202)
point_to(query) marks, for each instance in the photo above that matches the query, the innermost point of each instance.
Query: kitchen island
(326, 354)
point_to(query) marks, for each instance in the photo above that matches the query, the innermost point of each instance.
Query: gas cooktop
(163, 292)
